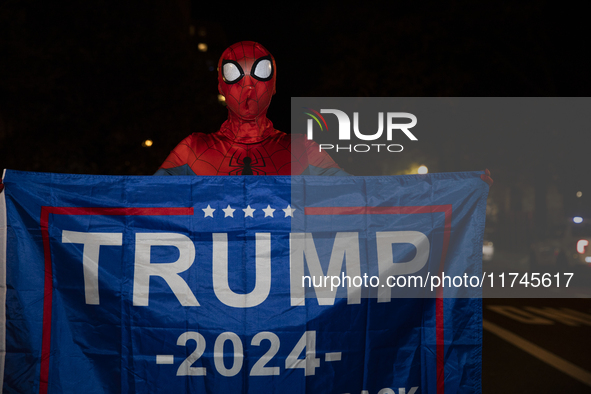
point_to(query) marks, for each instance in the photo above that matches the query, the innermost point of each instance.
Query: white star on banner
(208, 211)
(288, 211)
(268, 211)
(248, 211)
(228, 211)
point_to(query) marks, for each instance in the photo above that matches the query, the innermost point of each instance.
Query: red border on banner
(447, 210)
(48, 282)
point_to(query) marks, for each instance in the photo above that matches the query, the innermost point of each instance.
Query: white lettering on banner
(91, 244)
(144, 269)
(302, 247)
(221, 285)
(186, 368)
(386, 265)
(303, 253)
(218, 354)
(306, 345)
(260, 368)
(302, 356)
(387, 390)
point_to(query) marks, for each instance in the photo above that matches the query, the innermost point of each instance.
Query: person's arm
(320, 162)
(177, 162)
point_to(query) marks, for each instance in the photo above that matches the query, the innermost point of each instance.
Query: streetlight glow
(423, 170)
(147, 143)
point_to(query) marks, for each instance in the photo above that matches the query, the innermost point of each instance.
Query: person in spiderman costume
(247, 143)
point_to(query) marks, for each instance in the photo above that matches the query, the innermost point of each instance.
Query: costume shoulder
(182, 157)
(311, 159)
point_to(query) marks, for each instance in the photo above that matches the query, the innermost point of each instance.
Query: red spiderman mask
(247, 143)
(246, 75)
(246, 78)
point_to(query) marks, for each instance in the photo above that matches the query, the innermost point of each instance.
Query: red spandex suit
(247, 143)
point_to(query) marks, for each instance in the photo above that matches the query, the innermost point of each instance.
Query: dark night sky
(82, 84)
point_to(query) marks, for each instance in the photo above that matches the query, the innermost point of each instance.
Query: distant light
(579, 194)
(147, 143)
(578, 219)
(588, 259)
(202, 47)
(423, 170)
(581, 243)
(221, 98)
(488, 250)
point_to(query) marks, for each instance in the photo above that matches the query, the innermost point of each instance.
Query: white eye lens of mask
(230, 72)
(263, 69)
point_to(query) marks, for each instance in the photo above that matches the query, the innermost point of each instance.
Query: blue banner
(120, 284)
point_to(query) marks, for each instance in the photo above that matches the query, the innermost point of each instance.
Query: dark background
(84, 84)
